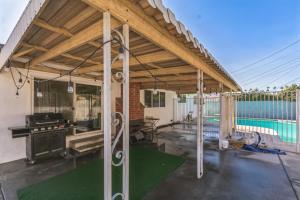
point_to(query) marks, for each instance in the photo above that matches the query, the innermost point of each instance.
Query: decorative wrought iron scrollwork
(119, 155)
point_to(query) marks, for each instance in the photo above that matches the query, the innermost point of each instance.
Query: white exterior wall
(165, 114)
(14, 108)
(12, 113)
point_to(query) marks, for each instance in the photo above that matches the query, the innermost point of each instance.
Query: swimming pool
(287, 130)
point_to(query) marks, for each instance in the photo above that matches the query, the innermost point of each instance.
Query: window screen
(156, 100)
(162, 96)
(148, 98)
(182, 98)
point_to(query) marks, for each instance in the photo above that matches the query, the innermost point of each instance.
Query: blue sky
(239, 32)
(236, 32)
(10, 11)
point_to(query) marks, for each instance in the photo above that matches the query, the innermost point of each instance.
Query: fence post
(297, 120)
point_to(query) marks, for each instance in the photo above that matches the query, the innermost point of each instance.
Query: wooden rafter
(179, 87)
(22, 53)
(164, 71)
(148, 58)
(172, 78)
(85, 14)
(147, 27)
(66, 55)
(91, 33)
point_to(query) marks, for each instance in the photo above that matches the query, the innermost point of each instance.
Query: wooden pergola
(57, 36)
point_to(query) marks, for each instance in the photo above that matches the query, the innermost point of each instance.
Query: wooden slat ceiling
(67, 21)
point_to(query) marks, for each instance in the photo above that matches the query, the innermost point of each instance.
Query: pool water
(287, 130)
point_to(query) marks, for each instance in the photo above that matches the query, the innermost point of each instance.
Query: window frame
(150, 103)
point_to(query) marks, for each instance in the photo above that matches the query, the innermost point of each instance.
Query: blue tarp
(255, 148)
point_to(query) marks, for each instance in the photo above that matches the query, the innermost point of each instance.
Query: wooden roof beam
(22, 53)
(42, 24)
(85, 14)
(62, 31)
(163, 71)
(189, 88)
(66, 55)
(172, 78)
(91, 33)
(148, 58)
(147, 27)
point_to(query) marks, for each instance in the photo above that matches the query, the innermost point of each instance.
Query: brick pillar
(136, 109)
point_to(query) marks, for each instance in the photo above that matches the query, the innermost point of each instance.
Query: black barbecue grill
(45, 135)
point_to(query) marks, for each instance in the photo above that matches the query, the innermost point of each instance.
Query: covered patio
(114, 45)
(228, 174)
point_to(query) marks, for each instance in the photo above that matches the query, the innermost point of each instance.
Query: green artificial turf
(148, 167)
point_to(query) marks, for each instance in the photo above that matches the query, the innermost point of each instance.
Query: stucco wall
(12, 111)
(165, 114)
(14, 108)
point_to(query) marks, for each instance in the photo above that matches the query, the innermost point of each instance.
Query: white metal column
(199, 124)
(107, 106)
(126, 113)
(231, 110)
(222, 117)
(298, 121)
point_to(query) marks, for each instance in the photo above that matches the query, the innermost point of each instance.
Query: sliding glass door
(88, 107)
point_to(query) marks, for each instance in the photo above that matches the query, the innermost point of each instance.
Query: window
(148, 98)
(154, 100)
(55, 98)
(162, 99)
(182, 98)
(85, 110)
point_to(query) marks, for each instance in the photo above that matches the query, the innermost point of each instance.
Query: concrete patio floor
(228, 175)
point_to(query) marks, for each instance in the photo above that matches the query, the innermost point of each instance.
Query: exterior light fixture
(39, 93)
(70, 86)
(20, 79)
(121, 53)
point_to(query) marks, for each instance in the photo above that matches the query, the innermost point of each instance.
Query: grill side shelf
(19, 131)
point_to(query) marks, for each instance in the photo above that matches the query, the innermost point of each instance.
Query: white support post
(222, 117)
(102, 107)
(199, 124)
(221, 121)
(107, 107)
(74, 105)
(298, 120)
(126, 113)
(231, 110)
